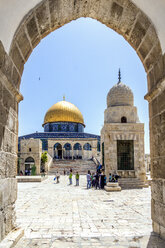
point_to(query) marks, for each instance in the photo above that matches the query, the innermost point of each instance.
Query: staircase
(82, 166)
(131, 183)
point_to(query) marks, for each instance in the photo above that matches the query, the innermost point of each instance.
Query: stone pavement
(62, 216)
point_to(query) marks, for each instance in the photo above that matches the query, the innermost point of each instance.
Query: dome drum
(63, 127)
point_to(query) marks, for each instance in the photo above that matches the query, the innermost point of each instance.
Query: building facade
(63, 137)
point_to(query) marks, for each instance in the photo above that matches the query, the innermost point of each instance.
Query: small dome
(63, 111)
(120, 95)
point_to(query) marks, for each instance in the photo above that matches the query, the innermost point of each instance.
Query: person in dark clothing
(102, 180)
(97, 180)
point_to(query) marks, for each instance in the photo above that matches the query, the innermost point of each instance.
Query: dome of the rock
(63, 111)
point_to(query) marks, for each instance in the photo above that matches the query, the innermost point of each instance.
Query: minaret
(119, 77)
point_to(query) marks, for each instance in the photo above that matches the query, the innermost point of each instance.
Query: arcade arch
(67, 151)
(125, 18)
(58, 151)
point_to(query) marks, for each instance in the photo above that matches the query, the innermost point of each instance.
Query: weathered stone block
(156, 227)
(150, 79)
(8, 99)
(2, 55)
(161, 101)
(17, 58)
(158, 212)
(137, 35)
(128, 18)
(158, 168)
(159, 70)
(157, 190)
(33, 30)
(55, 6)
(24, 43)
(116, 11)
(43, 19)
(16, 79)
(139, 30)
(153, 56)
(3, 114)
(145, 47)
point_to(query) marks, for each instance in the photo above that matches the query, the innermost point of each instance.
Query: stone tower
(122, 136)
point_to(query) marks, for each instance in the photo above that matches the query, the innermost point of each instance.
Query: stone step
(131, 183)
(77, 165)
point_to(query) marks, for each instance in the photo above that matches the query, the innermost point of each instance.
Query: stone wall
(124, 131)
(9, 98)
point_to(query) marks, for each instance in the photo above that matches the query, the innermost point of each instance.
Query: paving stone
(58, 215)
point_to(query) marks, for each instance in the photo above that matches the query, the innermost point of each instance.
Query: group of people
(94, 180)
(77, 176)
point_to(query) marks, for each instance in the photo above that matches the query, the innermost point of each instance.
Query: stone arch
(67, 146)
(87, 147)
(29, 162)
(125, 18)
(77, 146)
(122, 16)
(58, 151)
(67, 151)
(77, 151)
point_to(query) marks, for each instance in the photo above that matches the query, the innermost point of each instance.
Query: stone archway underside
(126, 19)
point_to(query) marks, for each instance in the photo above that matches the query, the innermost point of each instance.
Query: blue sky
(81, 61)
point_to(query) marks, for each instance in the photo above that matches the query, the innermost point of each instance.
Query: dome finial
(119, 76)
(63, 97)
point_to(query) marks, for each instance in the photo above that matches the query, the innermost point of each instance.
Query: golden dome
(63, 111)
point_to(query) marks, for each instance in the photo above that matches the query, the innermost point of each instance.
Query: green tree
(44, 158)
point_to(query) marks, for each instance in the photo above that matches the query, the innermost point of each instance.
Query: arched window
(123, 119)
(77, 146)
(67, 147)
(87, 147)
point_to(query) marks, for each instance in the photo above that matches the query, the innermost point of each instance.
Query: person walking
(58, 177)
(70, 177)
(77, 179)
(88, 180)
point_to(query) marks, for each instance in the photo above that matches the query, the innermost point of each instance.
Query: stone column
(82, 152)
(157, 148)
(72, 152)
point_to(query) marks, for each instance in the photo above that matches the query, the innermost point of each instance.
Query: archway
(29, 162)
(77, 151)
(67, 151)
(58, 151)
(125, 18)
(87, 151)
